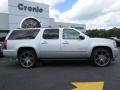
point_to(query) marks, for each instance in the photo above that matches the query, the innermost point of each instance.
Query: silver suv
(30, 45)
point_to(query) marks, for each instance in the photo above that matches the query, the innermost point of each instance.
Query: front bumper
(115, 52)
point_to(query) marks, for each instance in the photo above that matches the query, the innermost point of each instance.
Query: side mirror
(81, 37)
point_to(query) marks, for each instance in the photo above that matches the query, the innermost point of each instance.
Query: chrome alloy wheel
(27, 59)
(102, 57)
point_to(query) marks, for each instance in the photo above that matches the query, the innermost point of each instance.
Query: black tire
(101, 57)
(1, 55)
(27, 58)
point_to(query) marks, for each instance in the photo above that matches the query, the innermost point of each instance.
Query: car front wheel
(101, 57)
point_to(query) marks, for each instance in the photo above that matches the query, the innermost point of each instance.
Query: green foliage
(114, 32)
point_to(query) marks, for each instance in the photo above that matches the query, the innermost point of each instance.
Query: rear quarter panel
(14, 45)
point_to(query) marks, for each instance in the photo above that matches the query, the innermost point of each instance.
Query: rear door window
(51, 34)
(23, 34)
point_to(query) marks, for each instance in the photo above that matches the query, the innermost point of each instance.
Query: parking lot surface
(57, 75)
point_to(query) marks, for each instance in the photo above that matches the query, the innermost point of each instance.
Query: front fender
(93, 46)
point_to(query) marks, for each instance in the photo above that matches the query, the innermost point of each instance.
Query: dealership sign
(29, 8)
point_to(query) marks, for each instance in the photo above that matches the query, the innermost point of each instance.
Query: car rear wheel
(101, 57)
(27, 58)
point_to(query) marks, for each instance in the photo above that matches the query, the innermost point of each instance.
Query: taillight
(5, 44)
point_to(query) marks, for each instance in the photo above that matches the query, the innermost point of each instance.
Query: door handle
(66, 42)
(44, 42)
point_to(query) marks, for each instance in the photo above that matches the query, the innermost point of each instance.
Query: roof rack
(60, 26)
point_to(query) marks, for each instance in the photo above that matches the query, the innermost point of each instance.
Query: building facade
(27, 14)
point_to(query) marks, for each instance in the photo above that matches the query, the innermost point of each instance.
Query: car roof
(42, 28)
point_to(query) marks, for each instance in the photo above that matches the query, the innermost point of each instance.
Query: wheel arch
(26, 48)
(106, 47)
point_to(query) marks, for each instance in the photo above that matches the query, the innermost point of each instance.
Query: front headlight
(114, 44)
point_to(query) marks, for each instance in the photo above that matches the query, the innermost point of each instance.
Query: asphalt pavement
(57, 75)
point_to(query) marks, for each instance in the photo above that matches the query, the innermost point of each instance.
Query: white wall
(4, 18)
(81, 27)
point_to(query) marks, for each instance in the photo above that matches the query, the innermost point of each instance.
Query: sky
(93, 13)
(66, 5)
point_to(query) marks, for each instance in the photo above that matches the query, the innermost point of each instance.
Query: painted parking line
(88, 85)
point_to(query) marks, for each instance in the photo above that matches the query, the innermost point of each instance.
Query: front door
(72, 45)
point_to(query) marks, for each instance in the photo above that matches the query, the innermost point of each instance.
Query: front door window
(70, 34)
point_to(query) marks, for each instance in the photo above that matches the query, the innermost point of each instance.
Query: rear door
(50, 43)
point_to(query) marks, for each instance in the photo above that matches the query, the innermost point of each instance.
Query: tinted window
(70, 34)
(51, 34)
(23, 34)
